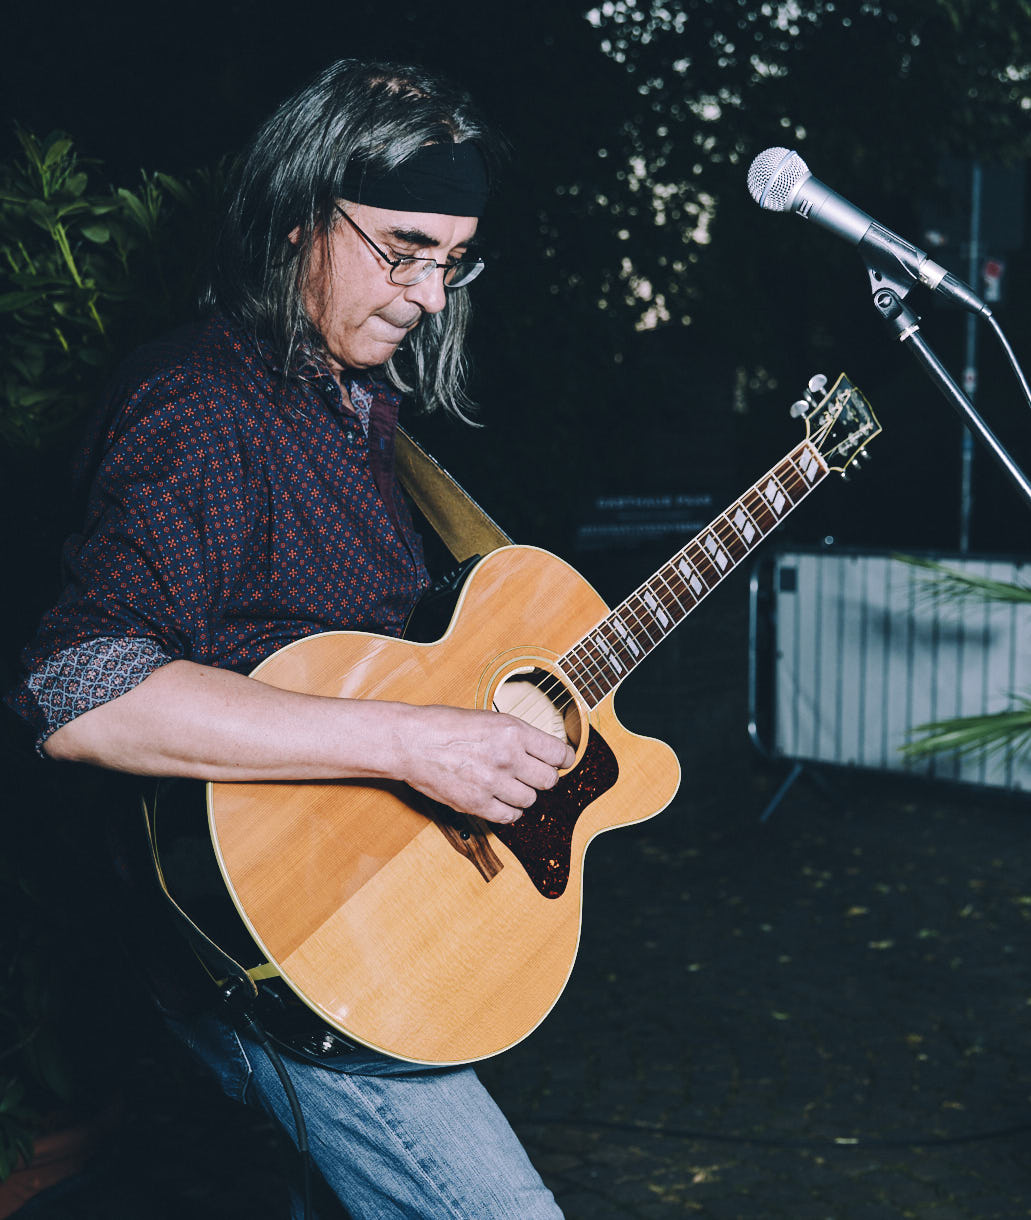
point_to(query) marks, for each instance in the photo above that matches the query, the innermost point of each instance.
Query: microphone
(780, 181)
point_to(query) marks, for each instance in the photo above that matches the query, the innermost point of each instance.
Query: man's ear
(294, 236)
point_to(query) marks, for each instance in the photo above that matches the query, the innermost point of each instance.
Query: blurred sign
(945, 214)
(992, 272)
(628, 521)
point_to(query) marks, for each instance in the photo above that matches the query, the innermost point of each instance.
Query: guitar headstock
(839, 422)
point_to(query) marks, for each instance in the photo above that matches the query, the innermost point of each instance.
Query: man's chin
(368, 356)
(377, 357)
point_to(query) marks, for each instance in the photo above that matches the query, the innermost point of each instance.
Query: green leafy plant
(20, 1027)
(1006, 730)
(17, 1126)
(84, 274)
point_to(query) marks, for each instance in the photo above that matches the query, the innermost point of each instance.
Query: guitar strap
(215, 961)
(460, 523)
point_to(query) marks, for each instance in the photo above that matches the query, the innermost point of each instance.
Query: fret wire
(580, 662)
(629, 641)
(760, 511)
(678, 586)
(670, 610)
(677, 564)
(678, 589)
(647, 616)
(617, 661)
(765, 516)
(602, 666)
(777, 475)
(747, 523)
(618, 650)
(591, 659)
(703, 566)
(573, 666)
(636, 623)
(729, 540)
(606, 677)
(657, 609)
(646, 624)
(590, 679)
(683, 559)
(762, 508)
(792, 482)
(616, 640)
(663, 612)
(636, 628)
(634, 641)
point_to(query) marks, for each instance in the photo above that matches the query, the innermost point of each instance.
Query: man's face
(361, 314)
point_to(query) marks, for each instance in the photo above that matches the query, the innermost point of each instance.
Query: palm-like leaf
(988, 733)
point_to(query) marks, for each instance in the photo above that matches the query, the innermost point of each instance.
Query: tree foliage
(872, 94)
(635, 297)
(655, 253)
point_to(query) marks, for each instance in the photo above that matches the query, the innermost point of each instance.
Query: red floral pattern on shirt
(233, 511)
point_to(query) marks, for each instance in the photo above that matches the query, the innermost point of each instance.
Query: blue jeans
(391, 1139)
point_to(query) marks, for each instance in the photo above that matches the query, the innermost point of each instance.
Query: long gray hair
(289, 179)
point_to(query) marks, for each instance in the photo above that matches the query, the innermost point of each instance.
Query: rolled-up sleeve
(85, 676)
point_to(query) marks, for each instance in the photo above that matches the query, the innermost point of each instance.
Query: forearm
(191, 720)
(195, 720)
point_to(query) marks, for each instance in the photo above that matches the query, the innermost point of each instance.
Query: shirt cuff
(84, 676)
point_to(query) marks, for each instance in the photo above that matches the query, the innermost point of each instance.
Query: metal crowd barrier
(850, 650)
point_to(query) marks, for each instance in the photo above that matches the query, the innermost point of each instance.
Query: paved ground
(822, 1016)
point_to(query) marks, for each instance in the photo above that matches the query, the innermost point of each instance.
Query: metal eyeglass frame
(430, 265)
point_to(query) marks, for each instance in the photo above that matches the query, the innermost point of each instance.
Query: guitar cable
(240, 1005)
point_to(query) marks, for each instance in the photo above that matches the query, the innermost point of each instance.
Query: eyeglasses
(409, 271)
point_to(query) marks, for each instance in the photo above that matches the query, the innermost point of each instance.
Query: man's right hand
(488, 764)
(212, 724)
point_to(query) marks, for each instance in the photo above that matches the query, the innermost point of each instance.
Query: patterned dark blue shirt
(233, 511)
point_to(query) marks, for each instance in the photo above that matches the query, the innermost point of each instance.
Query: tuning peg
(814, 390)
(799, 407)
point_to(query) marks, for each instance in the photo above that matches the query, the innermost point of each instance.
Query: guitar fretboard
(611, 650)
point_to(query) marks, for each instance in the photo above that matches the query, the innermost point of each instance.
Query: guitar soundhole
(542, 838)
(540, 698)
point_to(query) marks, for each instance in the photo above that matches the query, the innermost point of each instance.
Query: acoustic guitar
(432, 936)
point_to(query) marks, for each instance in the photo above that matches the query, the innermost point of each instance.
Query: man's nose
(429, 294)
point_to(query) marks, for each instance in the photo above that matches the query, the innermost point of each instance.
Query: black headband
(449, 179)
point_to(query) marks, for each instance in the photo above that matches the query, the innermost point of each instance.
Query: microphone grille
(774, 176)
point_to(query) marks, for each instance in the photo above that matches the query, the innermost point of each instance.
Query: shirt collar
(310, 366)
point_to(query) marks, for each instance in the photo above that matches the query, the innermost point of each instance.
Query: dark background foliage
(600, 109)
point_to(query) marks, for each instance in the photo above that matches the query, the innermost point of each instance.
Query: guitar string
(786, 477)
(595, 670)
(729, 544)
(729, 538)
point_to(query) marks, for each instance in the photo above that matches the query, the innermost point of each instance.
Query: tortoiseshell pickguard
(542, 839)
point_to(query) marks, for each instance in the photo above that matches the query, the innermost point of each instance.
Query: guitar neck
(617, 645)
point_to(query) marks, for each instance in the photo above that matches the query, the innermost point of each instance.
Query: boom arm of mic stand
(905, 323)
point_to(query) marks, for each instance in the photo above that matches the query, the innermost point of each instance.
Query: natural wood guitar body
(425, 936)
(439, 938)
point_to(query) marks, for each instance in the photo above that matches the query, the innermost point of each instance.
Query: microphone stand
(888, 300)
